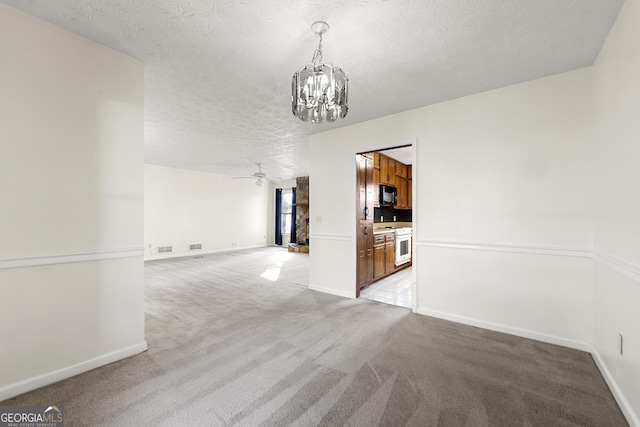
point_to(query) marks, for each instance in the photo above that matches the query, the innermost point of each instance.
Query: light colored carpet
(228, 345)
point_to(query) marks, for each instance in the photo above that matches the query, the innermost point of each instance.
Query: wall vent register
(164, 249)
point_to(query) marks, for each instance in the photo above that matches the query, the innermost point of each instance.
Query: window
(286, 212)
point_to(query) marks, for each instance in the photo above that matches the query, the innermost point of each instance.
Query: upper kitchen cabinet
(392, 172)
(387, 170)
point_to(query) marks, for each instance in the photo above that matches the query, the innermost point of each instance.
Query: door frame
(413, 142)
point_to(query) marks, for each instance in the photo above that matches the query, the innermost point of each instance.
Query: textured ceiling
(218, 72)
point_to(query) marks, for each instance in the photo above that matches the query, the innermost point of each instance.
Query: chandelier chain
(317, 55)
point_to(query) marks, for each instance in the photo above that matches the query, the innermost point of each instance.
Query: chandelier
(319, 91)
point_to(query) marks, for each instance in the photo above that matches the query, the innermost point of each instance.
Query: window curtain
(278, 216)
(293, 216)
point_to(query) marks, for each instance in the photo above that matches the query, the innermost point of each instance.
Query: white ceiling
(218, 72)
(401, 154)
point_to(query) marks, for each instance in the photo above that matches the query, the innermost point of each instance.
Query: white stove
(403, 245)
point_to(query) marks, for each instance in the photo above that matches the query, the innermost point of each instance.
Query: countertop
(381, 227)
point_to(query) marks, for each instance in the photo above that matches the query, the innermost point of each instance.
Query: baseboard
(12, 390)
(200, 252)
(332, 291)
(625, 407)
(551, 339)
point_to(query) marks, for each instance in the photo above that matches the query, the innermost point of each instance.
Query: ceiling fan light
(259, 182)
(319, 92)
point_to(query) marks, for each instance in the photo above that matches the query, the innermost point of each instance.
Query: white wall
(617, 207)
(183, 207)
(502, 207)
(71, 185)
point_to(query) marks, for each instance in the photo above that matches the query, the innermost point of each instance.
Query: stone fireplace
(302, 216)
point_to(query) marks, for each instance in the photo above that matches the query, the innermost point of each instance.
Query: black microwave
(388, 195)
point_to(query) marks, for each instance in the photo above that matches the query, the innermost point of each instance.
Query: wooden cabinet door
(390, 257)
(370, 188)
(391, 171)
(402, 192)
(376, 188)
(361, 167)
(369, 260)
(365, 255)
(379, 261)
(410, 187)
(364, 216)
(401, 169)
(384, 169)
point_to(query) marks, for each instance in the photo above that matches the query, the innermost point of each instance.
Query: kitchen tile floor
(394, 289)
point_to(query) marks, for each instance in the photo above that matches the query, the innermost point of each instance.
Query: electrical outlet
(233, 243)
(394, 218)
(381, 218)
(318, 219)
(620, 344)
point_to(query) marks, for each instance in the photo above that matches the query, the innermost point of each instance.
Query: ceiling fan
(259, 176)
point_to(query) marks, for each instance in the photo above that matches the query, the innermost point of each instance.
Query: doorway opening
(384, 215)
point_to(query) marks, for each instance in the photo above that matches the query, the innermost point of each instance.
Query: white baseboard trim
(632, 418)
(332, 291)
(201, 252)
(63, 258)
(525, 333)
(12, 390)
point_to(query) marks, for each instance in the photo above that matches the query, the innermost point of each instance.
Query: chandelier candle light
(319, 91)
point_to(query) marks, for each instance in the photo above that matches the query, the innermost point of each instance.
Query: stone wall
(302, 210)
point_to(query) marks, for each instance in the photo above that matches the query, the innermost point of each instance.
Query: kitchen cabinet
(402, 193)
(383, 254)
(364, 214)
(387, 170)
(392, 172)
(379, 263)
(409, 187)
(390, 253)
(402, 185)
(376, 186)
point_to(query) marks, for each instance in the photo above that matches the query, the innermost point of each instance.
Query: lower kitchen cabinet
(383, 254)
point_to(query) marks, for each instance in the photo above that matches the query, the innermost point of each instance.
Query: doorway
(384, 215)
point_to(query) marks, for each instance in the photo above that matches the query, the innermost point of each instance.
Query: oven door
(403, 249)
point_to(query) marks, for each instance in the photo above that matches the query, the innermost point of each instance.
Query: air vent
(195, 246)
(163, 249)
